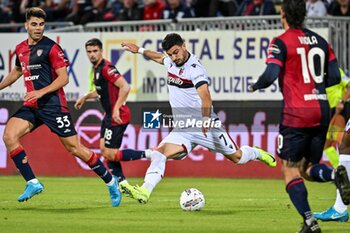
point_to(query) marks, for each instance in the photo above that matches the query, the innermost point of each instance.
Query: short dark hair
(35, 12)
(94, 42)
(170, 40)
(295, 11)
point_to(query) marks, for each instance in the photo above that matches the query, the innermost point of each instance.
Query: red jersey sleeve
(57, 57)
(110, 73)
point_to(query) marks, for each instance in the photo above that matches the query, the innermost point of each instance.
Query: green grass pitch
(232, 205)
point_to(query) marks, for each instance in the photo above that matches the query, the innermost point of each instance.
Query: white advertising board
(233, 59)
(73, 45)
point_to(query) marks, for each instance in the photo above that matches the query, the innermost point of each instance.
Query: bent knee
(9, 138)
(235, 157)
(110, 157)
(111, 154)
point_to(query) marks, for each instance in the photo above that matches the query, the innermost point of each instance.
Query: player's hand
(116, 116)
(33, 95)
(79, 103)
(206, 125)
(130, 47)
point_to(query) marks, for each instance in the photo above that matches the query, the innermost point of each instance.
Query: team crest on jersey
(181, 71)
(39, 52)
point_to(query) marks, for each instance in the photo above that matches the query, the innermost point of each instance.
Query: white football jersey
(182, 81)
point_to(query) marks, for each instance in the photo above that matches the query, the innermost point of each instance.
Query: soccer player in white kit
(191, 103)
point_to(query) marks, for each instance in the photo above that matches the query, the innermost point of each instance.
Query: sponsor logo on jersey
(39, 52)
(176, 81)
(34, 67)
(274, 49)
(308, 97)
(112, 70)
(31, 78)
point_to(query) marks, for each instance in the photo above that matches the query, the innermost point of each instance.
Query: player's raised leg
(339, 211)
(155, 171)
(15, 129)
(114, 156)
(109, 144)
(218, 140)
(75, 148)
(247, 153)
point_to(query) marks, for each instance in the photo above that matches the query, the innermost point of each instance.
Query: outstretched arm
(11, 77)
(153, 55)
(270, 74)
(80, 102)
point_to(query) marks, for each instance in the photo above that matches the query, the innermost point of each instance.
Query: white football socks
(339, 206)
(34, 181)
(148, 153)
(155, 171)
(110, 183)
(248, 154)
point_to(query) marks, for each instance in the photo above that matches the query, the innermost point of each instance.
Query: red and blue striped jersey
(39, 63)
(105, 75)
(303, 56)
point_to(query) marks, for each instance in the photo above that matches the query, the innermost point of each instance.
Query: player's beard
(180, 62)
(93, 61)
(36, 36)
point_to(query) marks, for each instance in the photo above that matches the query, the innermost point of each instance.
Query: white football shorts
(217, 140)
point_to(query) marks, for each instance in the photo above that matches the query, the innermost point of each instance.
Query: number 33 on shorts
(63, 122)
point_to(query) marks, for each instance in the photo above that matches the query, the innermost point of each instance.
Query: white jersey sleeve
(198, 74)
(167, 62)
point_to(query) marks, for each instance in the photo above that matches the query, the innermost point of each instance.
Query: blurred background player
(338, 96)
(189, 98)
(339, 211)
(305, 116)
(112, 90)
(43, 65)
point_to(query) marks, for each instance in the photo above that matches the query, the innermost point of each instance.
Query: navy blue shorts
(294, 144)
(112, 134)
(59, 123)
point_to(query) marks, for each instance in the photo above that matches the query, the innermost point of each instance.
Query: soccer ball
(191, 200)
